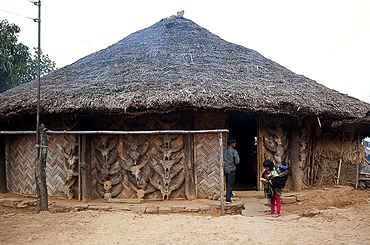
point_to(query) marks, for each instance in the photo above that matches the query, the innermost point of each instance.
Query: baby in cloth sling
(274, 181)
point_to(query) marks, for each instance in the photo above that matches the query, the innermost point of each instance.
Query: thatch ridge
(177, 65)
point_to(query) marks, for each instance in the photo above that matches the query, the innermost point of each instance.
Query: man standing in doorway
(231, 159)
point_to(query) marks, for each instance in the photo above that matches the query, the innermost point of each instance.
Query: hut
(176, 75)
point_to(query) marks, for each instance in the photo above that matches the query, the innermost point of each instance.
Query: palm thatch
(177, 65)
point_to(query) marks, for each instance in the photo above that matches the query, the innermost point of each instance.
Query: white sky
(325, 40)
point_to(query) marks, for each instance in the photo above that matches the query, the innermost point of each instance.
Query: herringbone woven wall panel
(20, 163)
(55, 172)
(207, 165)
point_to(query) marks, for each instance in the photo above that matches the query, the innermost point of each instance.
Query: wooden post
(358, 159)
(190, 191)
(190, 186)
(40, 175)
(85, 166)
(3, 188)
(259, 154)
(312, 155)
(294, 156)
(221, 176)
(79, 169)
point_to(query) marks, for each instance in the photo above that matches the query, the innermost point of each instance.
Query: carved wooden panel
(207, 165)
(168, 166)
(275, 141)
(135, 161)
(138, 166)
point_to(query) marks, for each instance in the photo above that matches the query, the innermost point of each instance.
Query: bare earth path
(322, 216)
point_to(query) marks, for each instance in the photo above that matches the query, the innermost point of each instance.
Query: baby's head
(283, 166)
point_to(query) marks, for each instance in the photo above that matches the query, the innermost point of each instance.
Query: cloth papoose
(274, 183)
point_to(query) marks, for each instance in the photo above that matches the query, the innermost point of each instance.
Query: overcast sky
(325, 40)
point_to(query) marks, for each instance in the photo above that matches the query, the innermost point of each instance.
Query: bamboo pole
(124, 132)
(17, 132)
(340, 159)
(221, 176)
(143, 132)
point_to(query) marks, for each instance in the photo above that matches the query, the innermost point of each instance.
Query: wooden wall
(334, 149)
(147, 166)
(313, 149)
(20, 162)
(178, 166)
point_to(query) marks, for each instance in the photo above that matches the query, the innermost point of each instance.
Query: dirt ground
(332, 215)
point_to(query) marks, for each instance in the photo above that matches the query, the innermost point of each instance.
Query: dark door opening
(243, 128)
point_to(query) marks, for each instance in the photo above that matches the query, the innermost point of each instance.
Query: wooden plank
(190, 187)
(259, 154)
(221, 176)
(85, 163)
(119, 200)
(3, 187)
(195, 169)
(294, 156)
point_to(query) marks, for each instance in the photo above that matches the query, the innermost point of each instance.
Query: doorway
(243, 128)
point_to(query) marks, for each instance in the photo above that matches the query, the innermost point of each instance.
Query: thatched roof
(177, 65)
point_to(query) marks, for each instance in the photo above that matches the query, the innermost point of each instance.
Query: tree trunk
(40, 175)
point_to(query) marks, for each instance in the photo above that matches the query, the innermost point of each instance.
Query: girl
(274, 183)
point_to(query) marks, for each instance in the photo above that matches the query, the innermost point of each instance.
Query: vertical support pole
(195, 164)
(79, 168)
(259, 154)
(340, 159)
(85, 166)
(41, 138)
(358, 159)
(3, 188)
(294, 156)
(357, 172)
(190, 191)
(190, 187)
(312, 155)
(40, 175)
(222, 190)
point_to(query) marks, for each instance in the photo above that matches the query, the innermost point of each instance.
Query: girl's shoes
(276, 215)
(270, 212)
